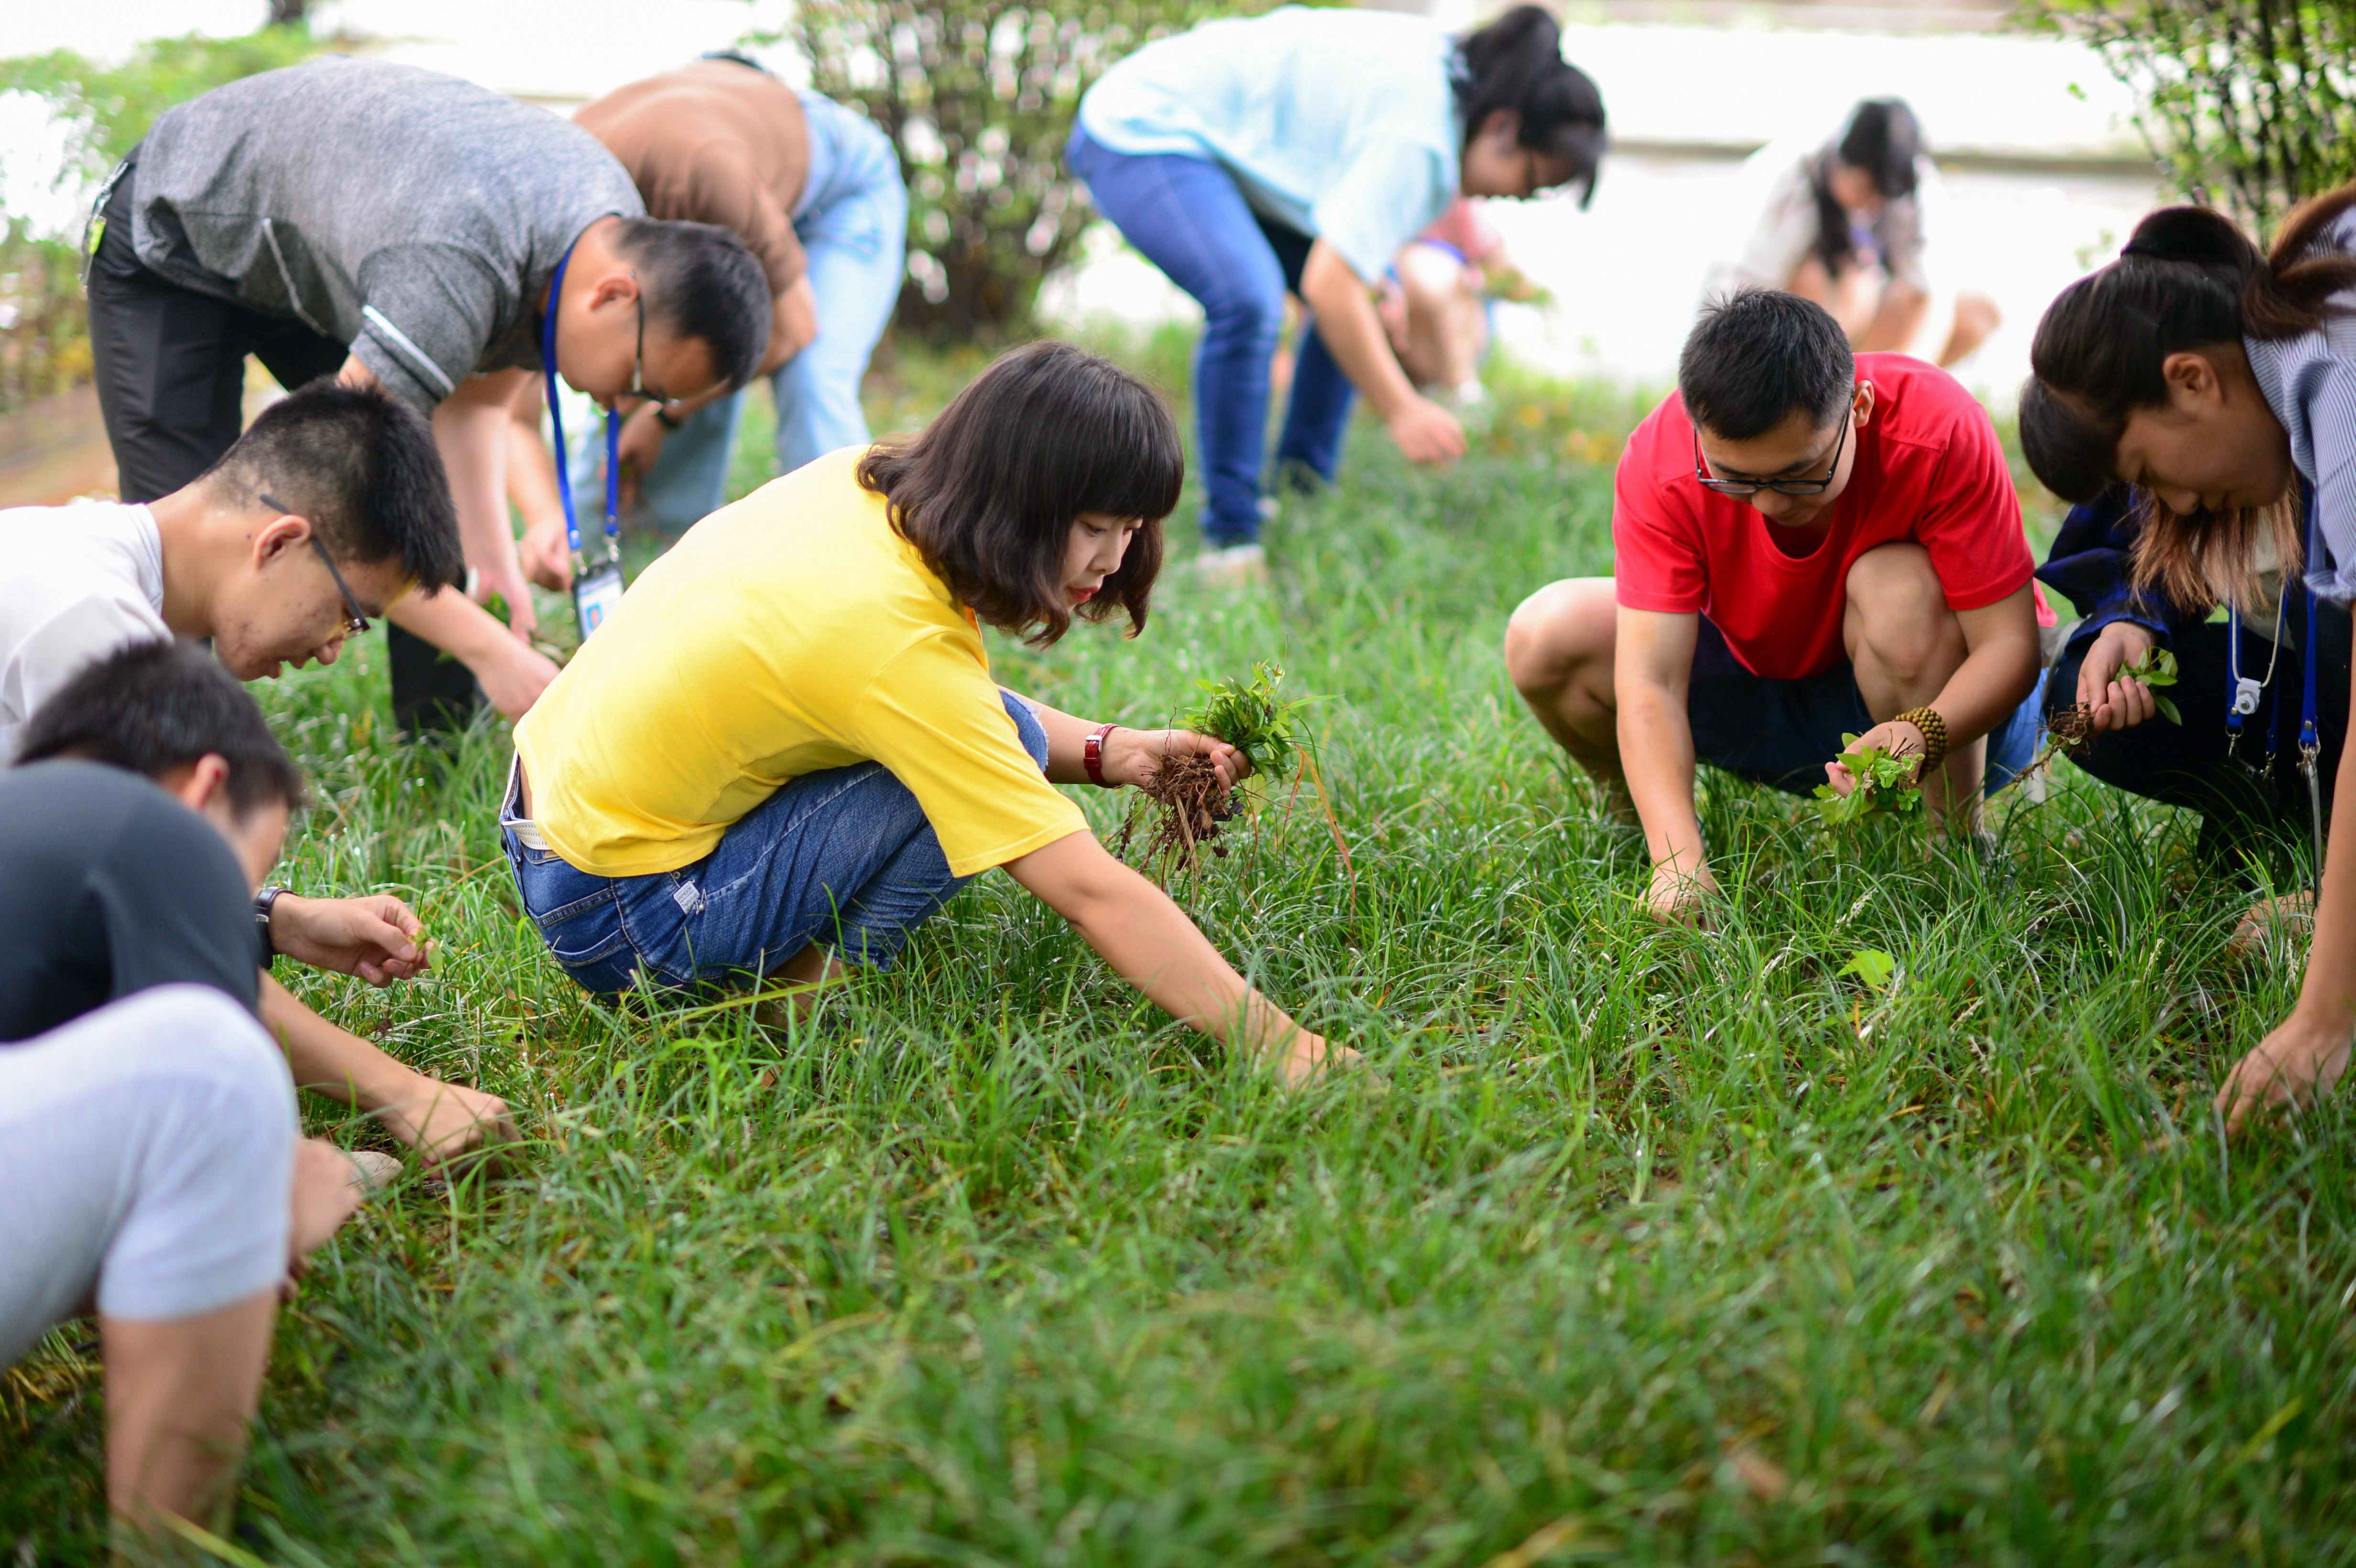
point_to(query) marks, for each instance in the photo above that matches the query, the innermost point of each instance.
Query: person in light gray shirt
(404, 228)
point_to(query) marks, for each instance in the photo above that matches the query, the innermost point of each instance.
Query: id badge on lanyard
(597, 586)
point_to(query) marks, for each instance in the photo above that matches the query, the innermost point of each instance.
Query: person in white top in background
(330, 509)
(1849, 221)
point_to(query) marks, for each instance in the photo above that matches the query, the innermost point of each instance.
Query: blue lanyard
(556, 420)
(2308, 741)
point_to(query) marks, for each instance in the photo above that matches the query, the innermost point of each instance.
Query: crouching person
(148, 1145)
(1807, 543)
(785, 751)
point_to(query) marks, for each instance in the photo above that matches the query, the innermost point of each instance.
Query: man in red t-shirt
(1829, 544)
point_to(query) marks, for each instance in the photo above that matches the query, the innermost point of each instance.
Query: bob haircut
(987, 492)
(2186, 280)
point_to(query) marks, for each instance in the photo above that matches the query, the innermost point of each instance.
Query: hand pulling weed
(1884, 785)
(1190, 808)
(2072, 727)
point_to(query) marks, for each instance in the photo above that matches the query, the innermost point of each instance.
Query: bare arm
(1131, 756)
(441, 1119)
(1651, 668)
(1347, 321)
(2306, 1054)
(1151, 943)
(1895, 320)
(1999, 667)
(470, 426)
(513, 675)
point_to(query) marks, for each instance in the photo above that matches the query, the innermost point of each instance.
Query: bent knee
(1558, 630)
(1898, 610)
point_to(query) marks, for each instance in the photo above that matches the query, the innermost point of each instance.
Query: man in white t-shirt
(332, 506)
(1849, 221)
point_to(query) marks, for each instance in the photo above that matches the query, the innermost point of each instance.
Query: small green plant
(1255, 718)
(1885, 782)
(2155, 669)
(1252, 717)
(1872, 966)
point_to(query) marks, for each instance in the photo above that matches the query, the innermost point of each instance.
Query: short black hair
(362, 467)
(156, 706)
(702, 281)
(1883, 138)
(987, 492)
(1756, 356)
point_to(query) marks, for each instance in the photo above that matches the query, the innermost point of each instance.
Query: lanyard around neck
(556, 420)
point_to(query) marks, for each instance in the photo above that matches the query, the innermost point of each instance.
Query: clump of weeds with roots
(1183, 809)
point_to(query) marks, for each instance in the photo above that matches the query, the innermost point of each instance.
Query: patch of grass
(1654, 1245)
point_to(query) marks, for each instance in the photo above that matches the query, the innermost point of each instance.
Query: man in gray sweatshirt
(399, 228)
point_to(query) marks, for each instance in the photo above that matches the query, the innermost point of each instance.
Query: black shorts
(1780, 733)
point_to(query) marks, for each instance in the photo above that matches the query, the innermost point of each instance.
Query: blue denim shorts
(1780, 733)
(843, 858)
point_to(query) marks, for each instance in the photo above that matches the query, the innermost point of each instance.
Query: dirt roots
(1186, 809)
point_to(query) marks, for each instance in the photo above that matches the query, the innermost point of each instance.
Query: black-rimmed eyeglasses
(355, 621)
(1780, 487)
(639, 359)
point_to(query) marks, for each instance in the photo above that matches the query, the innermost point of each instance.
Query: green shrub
(978, 97)
(45, 344)
(2249, 105)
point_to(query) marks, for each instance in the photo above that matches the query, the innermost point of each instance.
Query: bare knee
(1430, 278)
(1976, 317)
(1898, 620)
(1563, 631)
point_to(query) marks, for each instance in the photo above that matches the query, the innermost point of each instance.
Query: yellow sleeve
(934, 717)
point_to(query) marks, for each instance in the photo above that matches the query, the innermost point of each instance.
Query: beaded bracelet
(1934, 737)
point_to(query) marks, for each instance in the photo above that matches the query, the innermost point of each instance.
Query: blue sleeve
(2089, 565)
(1393, 190)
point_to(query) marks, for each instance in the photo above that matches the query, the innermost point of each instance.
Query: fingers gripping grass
(1651, 1246)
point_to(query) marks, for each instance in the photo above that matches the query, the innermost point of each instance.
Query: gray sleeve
(427, 313)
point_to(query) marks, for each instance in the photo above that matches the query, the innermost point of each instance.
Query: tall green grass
(1647, 1245)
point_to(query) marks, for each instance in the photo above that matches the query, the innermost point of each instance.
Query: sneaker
(1238, 566)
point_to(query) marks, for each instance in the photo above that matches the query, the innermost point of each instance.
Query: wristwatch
(1092, 755)
(261, 902)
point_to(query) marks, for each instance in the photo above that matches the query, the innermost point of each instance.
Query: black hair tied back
(1514, 64)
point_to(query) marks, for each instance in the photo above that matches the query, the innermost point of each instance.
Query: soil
(1186, 809)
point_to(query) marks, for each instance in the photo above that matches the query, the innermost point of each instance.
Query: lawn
(1643, 1245)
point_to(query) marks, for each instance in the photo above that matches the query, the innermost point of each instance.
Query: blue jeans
(1780, 733)
(853, 226)
(843, 858)
(1188, 217)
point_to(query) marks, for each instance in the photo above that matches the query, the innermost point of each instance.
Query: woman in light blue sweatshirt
(1301, 150)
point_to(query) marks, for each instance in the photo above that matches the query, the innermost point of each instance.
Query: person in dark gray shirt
(149, 1148)
(397, 227)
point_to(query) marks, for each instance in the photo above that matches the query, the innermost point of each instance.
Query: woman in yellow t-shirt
(783, 752)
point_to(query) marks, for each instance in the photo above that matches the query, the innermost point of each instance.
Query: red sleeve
(1656, 562)
(1971, 518)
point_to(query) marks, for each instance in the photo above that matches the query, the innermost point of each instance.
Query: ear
(287, 531)
(2193, 381)
(200, 783)
(1861, 406)
(620, 285)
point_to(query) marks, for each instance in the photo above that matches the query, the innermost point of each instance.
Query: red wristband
(1092, 755)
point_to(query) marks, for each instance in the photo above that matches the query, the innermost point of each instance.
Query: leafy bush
(2250, 105)
(978, 96)
(105, 110)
